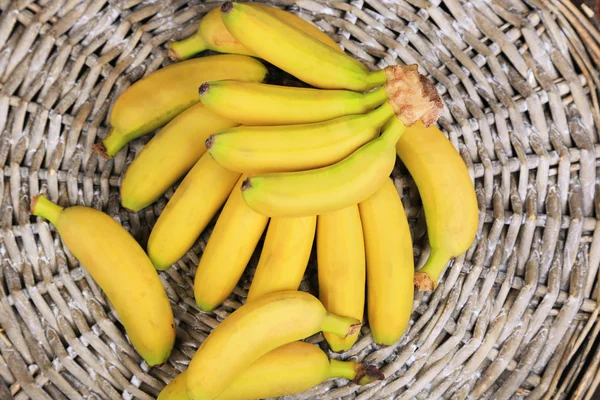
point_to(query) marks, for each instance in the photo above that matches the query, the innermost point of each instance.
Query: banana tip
(172, 54)
(227, 7)
(203, 88)
(33, 202)
(209, 142)
(368, 374)
(247, 184)
(423, 282)
(354, 328)
(100, 149)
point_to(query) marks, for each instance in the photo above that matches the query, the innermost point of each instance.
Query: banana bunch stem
(42, 207)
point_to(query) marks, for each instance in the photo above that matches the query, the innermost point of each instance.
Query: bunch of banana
(302, 163)
(289, 369)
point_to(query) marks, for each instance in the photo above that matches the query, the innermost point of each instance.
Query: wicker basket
(515, 317)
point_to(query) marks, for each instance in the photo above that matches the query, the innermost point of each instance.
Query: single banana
(390, 264)
(252, 331)
(448, 197)
(284, 255)
(295, 52)
(289, 369)
(159, 97)
(212, 35)
(228, 251)
(180, 144)
(326, 189)
(197, 199)
(121, 268)
(251, 103)
(287, 148)
(341, 268)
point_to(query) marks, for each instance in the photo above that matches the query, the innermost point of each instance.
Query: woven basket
(515, 317)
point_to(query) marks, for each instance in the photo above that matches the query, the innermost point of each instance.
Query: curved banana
(326, 189)
(448, 197)
(251, 103)
(286, 148)
(390, 264)
(341, 268)
(159, 97)
(179, 145)
(289, 369)
(228, 251)
(121, 268)
(284, 255)
(252, 331)
(295, 52)
(197, 199)
(212, 35)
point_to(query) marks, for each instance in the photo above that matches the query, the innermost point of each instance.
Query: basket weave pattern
(515, 316)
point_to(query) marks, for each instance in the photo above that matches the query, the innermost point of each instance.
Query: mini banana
(326, 189)
(212, 35)
(289, 369)
(341, 268)
(286, 148)
(295, 52)
(252, 331)
(121, 268)
(448, 197)
(284, 255)
(179, 145)
(197, 199)
(251, 103)
(228, 251)
(159, 97)
(390, 264)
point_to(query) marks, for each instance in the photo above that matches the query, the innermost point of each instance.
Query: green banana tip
(227, 7)
(247, 184)
(100, 149)
(368, 374)
(354, 329)
(33, 203)
(171, 51)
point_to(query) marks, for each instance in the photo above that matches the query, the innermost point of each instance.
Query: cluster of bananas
(306, 162)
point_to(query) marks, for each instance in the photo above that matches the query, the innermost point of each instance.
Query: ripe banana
(159, 97)
(284, 255)
(326, 189)
(252, 331)
(212, 35)
(228, 251)
(194, 203)
(121, 268)
(390, 264)
(286, 148)
(341, 268)
(289, 369)
(179, 145)
(295, 52)
(251, 103)
(448, 197)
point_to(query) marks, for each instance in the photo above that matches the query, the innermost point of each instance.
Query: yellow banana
(326, 189)
(197, 199)
(286, 148)
(252, 331)
(341, 268)
(121, 268)
(295, 52)
(390, 264)
(159, 97)
(289, 369)
(179, 145)
(448, 197)
(284, 255)
(251, 103)
(212, 35)
(228, 251)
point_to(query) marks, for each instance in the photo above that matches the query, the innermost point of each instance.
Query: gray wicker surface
(515, 317)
